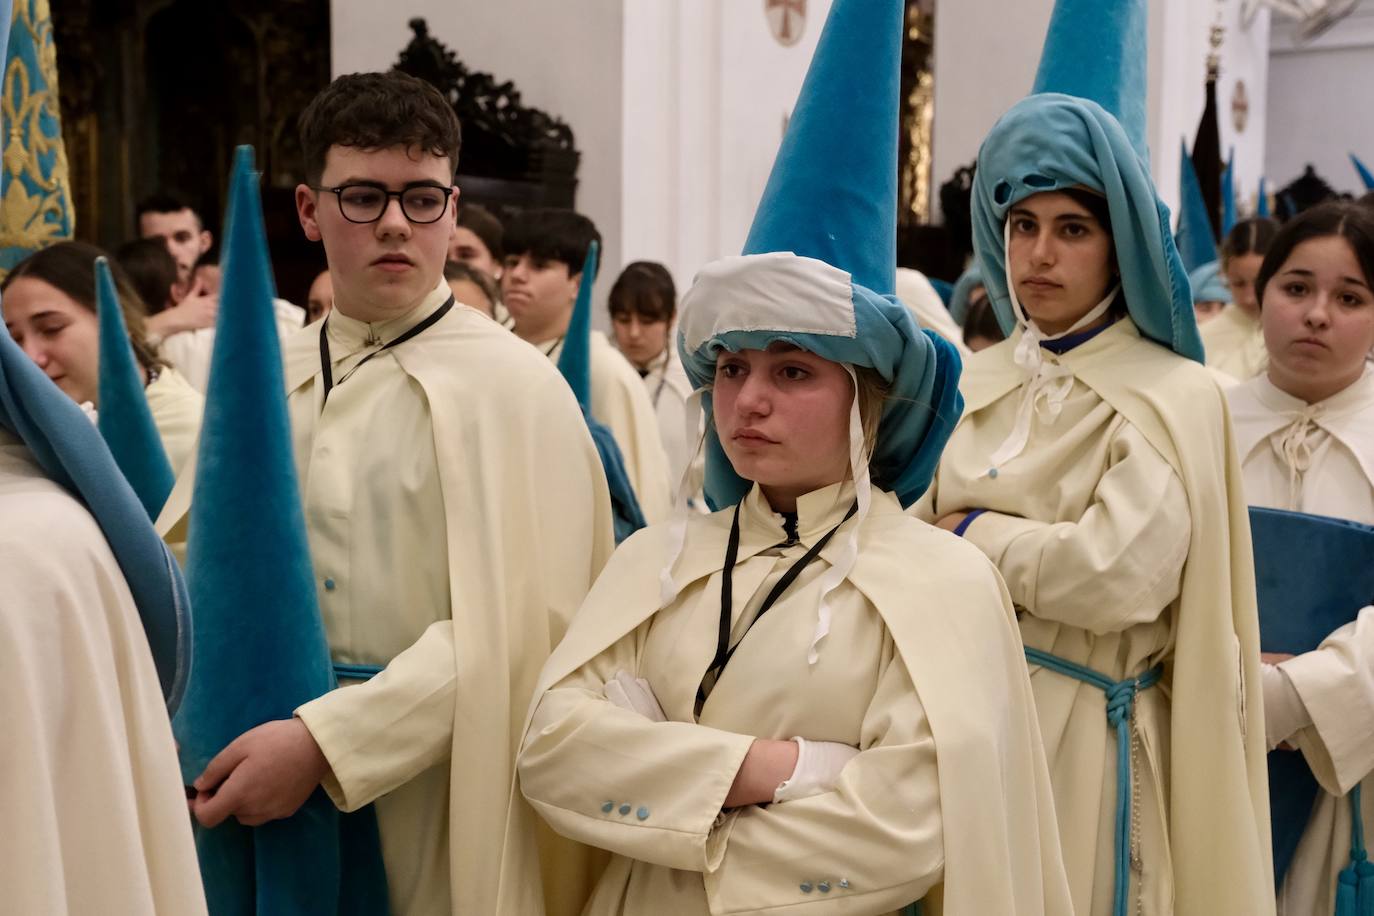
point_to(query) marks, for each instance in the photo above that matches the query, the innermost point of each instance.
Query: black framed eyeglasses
(365, 203)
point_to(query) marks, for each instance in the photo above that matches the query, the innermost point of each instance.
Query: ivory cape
(1234, 342)
(189, 351)
(918, 295)
(620, 403)
(176, 409)
(95, 813)
(1201, 729)
(523, 539)
(1335, 682)
(991, 849)
(668, 388)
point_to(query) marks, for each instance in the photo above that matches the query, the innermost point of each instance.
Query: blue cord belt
(1355, 883)
(1120, 704)
(344, 670)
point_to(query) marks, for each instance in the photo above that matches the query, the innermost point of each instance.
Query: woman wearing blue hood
(1095, 466)
(770, 707)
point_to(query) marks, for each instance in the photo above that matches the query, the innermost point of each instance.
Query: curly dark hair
(374, 111)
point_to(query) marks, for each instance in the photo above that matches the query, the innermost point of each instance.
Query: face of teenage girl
(782, 415)
(1060, 259)
(1318, 319)
(1241, 272)
(58, 333)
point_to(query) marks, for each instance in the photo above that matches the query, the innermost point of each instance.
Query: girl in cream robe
(1233, 340)
(1098, 474)
(1318, 458)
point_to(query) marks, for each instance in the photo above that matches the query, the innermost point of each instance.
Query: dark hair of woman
(981, 321)
(1249, 236)
(1345, 219)
(460, 272)
(69, 267)
(151, 269)
(644, 288)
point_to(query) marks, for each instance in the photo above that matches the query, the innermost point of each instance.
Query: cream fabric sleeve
(880, 831)
(382, 733)
(610, 778)
(1336, 683)
(1118, 565)
(653, 792)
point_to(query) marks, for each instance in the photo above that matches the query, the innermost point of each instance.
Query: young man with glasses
(420, 433)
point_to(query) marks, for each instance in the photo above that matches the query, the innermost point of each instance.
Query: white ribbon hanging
(1048, 383)
(1296, 449)
(849, 554)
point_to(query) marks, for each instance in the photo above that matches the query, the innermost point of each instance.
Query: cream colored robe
(922, 299)
(445, 544)
(95, 814)
(189, 351)
(1234, 342)
(1123, 538)
(620, 403)
(922, 671)
(669, 388)
(1336, 682)
(176, 409)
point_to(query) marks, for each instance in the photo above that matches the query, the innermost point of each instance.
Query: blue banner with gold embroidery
(36, 206)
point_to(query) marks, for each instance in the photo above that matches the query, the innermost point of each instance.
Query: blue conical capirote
(1194, 236)
(1228, 194)
(832, 194)
(263, 650)
(1365, 174)
(1097, 50)
(126, 421)
(575, 361)
(1262, 207)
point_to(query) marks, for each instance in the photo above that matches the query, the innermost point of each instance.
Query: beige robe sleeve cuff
(1336, 683)
(381, 734)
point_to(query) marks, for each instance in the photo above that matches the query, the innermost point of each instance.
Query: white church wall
(707, 94)
(1318, 109)
(565, 58)
(678, 106)
(981, 71)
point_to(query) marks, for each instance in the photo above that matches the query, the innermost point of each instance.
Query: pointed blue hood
(126, 421)
(1365, 174)
(819, 266)
(1085, 127)
(1262, 207)
(72, 453)
(1208, 283)
(575, 362)
(1194, 236)
(263, 650)
(1228, 194)
(1097, 51)
(959, 301)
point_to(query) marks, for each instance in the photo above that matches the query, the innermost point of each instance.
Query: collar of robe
(793, 532)
(415, 330)
(1049, 381)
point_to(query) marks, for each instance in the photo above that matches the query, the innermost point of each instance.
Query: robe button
(624, 809)
(806, 887)
(608, 807)
(329, 585)
(844, 883)
(992, 472)
(642, 814)
(823, 887)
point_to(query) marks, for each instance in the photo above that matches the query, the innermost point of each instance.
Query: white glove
(1284, 712)
(632, 693)
(91, 413)
(818, 769)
